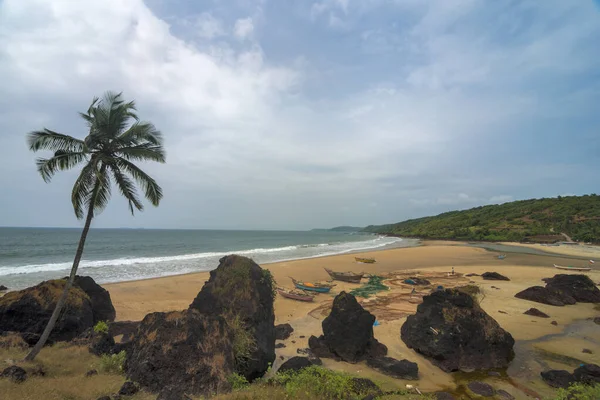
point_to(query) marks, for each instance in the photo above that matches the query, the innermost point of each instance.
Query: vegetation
(101, 327)
(243, 341)
(579, 391)
(116, 138)
(577, 216)
(267, 278)
(113, 363)
(237, 381)
(373, 286)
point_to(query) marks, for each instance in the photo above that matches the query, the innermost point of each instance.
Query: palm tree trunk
(63, 298)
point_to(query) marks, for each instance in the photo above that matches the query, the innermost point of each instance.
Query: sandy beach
(539, 343)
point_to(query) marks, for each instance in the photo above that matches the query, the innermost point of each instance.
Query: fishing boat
(573, 268)
(345, 276)
(501, 256)
(313, 287)
(364, 260)
(295, 294)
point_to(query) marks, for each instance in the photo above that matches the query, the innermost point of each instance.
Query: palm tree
(116, 138)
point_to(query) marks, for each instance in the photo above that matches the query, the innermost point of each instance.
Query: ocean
(31, 255)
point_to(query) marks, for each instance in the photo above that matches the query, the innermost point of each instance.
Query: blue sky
(294, 115)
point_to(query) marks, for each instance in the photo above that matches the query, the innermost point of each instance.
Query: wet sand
(537, 339)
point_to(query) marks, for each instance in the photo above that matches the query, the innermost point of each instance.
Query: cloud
(244, 27)
(411, 108)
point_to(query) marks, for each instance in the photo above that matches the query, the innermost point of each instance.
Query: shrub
(101, 327)
(317, 382)
(579, 391)
(237, 381)
(268, 278)
(243, 341)
(113, 363)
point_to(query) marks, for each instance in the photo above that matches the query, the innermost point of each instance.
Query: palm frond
(141, 132)
(143, 152)
(50, 140)
(83, 187)
(61, 161)
(127, 188)
(152, 191)
(101, 194)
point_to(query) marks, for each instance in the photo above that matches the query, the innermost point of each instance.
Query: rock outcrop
(3, 288)
(534, 312)
(481, 389)
(295, 364)
(563, 289)
(283, 331)
(100, 298)
(243, 293)
(347, 332)
(588, 374)
(452, 331)
(558, 378)
(494, 276)
(400, 369)
(185, 350)
(29, 310)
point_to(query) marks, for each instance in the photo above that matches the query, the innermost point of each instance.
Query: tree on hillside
(115, 140)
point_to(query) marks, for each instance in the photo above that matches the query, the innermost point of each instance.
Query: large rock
(29, 310)
(187, 350)
(295, 364)
(243, 292)
(540, 294)
(401, 369)
(348, 331)
(588, 374)
(456, 334)
(100, 298)
(481, 389)
(579, 287)
(534, 312)
(494, 276)
(125, 329)
(558, 378)
(283, 331)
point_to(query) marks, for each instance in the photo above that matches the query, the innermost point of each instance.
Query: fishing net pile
(374, 285)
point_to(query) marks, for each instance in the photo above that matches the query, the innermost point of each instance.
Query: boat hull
(354, 278)
(572, 268)
(365, 260)
(313, 289)
(295, 296)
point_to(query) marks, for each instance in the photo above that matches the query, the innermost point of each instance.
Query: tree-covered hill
(534, 220)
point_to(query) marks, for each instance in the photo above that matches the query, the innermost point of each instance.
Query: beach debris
(283, 331)
(468, 338)
(502, 312)
(400, 369)
(536, 313)
(494, 276)
(501, 256)
(374, 285)
(347, 332)
(376, 323)
(435, 331)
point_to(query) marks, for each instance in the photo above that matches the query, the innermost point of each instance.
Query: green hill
(540, 220)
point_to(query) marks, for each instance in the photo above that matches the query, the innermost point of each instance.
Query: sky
(309, 114)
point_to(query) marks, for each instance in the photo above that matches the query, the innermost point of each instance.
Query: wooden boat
(364, 260)
(345, 276)
(313, 287)
(573, 268)
(295, 294)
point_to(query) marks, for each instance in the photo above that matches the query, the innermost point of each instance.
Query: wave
(275, 254)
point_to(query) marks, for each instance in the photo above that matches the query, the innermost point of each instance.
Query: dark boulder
(32, 338)
(126, 329)
(295, 364)
(452, 330)
(481, 388)
(503, 394)
(129, 389)
(597, 320)
(469, 275)
(401, 369)
(319, 348)
(348, 331)
(554, 323)
(283, 331)
(588, 374)
(187, 350)
(29, 310)
(101, 343)
(242, 291)
(14, 373)
(494, 276)
(542, 295)
(365, 387)
(536, 313)
(558, 378)
(100, 298)
(444, 396)
(579, 287)
(3, 288)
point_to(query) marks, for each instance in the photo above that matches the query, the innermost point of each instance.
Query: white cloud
(243, 28)
(207, 26)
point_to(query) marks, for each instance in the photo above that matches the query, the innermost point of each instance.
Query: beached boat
(295, 294)
(501, 256)
(364, 260)
(313, 287)
(351, 277)
(573, 268)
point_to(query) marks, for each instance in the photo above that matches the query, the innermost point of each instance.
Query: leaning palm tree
(116, 138)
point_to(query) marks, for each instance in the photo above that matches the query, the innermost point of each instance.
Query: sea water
(31, 255)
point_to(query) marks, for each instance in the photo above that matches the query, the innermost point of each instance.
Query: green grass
(578, 391)
(113, 363)
(243, 341)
